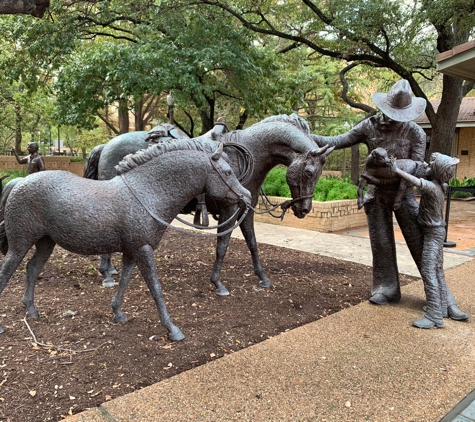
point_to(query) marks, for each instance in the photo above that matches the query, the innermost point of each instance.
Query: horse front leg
(106, 269)
(247, 229)
(222, 243)
(128, 265)
(44, 249)
(146, 263)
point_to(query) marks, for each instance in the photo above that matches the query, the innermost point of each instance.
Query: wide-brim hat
(399, 104)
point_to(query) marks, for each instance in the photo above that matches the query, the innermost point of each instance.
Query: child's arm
(414, 181)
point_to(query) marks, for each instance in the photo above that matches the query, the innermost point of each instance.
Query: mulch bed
(81, 358)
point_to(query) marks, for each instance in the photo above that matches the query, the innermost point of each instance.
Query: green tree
(403, 37)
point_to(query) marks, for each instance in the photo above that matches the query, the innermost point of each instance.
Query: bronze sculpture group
(157, 180)
(276, 140)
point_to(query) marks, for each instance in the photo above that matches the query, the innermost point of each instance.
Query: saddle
(166, 132)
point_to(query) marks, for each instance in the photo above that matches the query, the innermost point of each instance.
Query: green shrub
(327, 189)
(77, 160)
(275, 183)
(13, 174)
(465, 182)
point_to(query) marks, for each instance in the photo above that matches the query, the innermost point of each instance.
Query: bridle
(284, 205)
(214, 164)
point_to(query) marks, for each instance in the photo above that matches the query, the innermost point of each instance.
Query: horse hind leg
(44, 249)
(106, 269)
(128, 265)
(8, 266)
(146, 263)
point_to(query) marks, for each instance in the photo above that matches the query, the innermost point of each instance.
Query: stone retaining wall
(331, 216)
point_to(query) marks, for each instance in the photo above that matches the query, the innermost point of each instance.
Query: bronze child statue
(34, 160)
(440, 302)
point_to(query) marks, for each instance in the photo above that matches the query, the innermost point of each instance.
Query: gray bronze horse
(276, 140)
(126, 214)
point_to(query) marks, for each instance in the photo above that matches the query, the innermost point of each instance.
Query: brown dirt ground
(80, 358)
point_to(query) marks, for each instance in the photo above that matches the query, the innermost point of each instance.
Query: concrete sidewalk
(365, 363)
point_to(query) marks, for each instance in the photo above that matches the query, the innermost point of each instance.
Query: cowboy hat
(399, 104)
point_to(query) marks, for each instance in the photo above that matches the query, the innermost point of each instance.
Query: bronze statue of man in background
(394, 131)
(34, 160)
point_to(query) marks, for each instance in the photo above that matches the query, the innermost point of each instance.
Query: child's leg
(430, 255)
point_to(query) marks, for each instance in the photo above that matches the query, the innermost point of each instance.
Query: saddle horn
(217, 154)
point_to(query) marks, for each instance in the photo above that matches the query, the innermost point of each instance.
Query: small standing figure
(34, 160)
(439, 301)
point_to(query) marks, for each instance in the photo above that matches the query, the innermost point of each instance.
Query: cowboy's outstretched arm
(355, 136)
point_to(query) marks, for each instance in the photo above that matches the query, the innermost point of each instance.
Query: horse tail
(91, 168)
(3, 200)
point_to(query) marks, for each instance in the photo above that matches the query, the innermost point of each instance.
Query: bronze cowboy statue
(403, 139)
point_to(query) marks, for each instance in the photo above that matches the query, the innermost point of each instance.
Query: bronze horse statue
(128, 213)
(275, 140)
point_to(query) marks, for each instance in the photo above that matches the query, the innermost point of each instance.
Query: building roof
(466, 115)
(458, 62)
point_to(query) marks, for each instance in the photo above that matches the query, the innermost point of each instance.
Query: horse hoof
(176, 335)
(113, 271)
(121, 318)
(265, 284)
(222, 291)
(108, 283)
(1, 330)
(33, 315)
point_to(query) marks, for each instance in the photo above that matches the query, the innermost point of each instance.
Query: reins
(284, 205)
(165, 223)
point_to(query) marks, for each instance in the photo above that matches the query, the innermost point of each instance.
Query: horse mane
(132, 161)
(293, 119)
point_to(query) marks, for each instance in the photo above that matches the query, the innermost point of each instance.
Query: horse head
(302, 177)
(223, 184)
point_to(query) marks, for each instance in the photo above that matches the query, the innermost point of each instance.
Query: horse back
(116, 149)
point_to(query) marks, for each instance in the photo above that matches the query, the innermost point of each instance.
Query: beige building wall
(466, 153)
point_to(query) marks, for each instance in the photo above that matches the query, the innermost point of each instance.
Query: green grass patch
(12, 174)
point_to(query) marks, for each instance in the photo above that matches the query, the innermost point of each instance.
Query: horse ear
(217, 154)
(325, 150)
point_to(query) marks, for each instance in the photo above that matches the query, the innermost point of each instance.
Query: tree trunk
(123, 117)
(206, 122)
(18, 134)
(35, 8)
(443, 128)
(138, 115)
(242, 120)
(355, 164)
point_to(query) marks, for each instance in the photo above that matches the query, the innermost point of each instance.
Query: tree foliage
(403, 37)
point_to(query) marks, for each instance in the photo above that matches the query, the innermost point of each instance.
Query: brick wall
(52, 162)
(328, 216)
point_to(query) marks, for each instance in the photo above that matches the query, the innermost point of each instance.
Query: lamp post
(171, 106)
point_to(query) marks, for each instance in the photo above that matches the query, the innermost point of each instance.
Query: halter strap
(161, 221)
